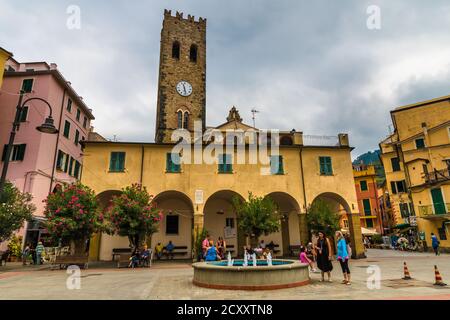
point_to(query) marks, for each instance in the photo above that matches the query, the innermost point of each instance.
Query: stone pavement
(169, 280)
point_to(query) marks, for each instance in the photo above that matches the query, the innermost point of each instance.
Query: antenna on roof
(254, 112)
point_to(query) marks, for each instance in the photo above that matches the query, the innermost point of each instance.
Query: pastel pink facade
(45, 155)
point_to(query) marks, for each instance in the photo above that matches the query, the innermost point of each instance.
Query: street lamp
(46, 127)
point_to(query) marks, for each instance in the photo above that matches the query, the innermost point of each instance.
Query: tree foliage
(320, 217)
(15, 209)
(133, 214)
(257, 216)
(72, 213)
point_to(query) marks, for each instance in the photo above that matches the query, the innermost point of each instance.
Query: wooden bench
(4, 257)
(120, 251)
(65, 261)
(294, 250)
(176, 251)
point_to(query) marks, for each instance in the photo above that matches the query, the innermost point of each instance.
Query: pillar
(94, 246)
(358, 251)
(303, 228)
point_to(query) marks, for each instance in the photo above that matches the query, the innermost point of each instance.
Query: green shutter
(21, 152)
(221, 163)
(276, 165)
(328, 165)
(66, 129)
(325, 166)
(23, 114)
(112, 161)
(228, 165)
(121, 164)
(66, 163)
(5, 148)
(363, 185)
(77, 137)
(70, 166)
(27, 85)
(176, 162)
(367, 208)
(59, 160)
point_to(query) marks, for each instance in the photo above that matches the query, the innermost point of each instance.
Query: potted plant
(15, 248)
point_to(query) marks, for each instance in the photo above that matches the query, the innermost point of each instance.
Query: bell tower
(182, 75)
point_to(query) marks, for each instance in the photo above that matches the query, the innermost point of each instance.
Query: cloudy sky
(309, 65)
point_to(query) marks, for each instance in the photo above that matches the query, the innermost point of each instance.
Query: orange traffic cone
(438, 277)
(406, 276)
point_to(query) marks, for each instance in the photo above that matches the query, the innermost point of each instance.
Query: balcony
(437, 176)
(435, 212)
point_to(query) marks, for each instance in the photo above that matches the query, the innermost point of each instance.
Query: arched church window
(180, 119)
(186, 120)
(193, 53)
(176, 50)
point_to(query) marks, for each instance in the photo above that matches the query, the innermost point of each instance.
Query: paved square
(172, 280)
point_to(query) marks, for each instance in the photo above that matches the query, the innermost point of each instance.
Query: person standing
(343, 256)
(323, 249)
(205, 245)
(39, 250)
(25, 254)
(435, 243)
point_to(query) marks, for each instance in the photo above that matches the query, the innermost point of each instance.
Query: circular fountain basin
(281, 274)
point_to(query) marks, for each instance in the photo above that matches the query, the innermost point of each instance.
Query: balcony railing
(434, 210)
(437, 176)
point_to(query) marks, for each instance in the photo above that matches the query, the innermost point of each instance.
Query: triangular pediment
(235, 125)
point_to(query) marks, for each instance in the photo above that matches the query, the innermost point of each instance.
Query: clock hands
(184, 89)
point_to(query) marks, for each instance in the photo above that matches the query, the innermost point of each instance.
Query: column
(358, 251)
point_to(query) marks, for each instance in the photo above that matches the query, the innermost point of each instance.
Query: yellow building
(416, 158)
(198, 192)
(4, 56)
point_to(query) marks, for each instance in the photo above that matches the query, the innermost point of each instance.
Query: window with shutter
(363, 185)
(393, 187)
(71, 162)
(27, 85)
(173, 162)
(225, 163)
(78, 114)
(276, 165)
(325, 166)
(66, 129)
(59, 160)
(367, 208)
(77, 137)
(69, 105)
(117, 162)
(23, 114)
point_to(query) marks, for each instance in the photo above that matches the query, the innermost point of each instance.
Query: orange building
(367, 196)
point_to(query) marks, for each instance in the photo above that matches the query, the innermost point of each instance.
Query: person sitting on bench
(159, 250)
(169, 250)
(145, 256)
(134, 259)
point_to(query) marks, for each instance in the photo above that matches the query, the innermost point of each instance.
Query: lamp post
(46, 127)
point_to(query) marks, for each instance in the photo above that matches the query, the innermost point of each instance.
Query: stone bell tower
(182, 75)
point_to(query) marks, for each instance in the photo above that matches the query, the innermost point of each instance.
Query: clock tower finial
(182, 75)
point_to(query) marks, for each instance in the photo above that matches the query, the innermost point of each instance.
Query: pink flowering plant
(133, 214)
(72, 213)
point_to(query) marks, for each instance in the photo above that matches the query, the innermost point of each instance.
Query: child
(305, 259)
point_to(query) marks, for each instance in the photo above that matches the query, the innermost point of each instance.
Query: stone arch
(178, 211)
(217, 211)
(101, 245)
(290, 231)
(339, 205)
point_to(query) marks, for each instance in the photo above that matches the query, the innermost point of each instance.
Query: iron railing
(434, 209)
(437, 176)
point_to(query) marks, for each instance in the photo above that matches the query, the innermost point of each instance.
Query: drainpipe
(142, 165)
(57, 142)
(304, 191)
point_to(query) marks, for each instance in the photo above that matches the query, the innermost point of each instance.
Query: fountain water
(254, 259)
(245, 259)
(269, 259)
(230, 262)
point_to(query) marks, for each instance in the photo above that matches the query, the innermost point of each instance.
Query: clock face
(184, 88)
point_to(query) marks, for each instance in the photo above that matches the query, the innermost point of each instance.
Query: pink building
(40, 161)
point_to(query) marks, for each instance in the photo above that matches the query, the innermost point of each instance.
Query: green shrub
(15, 246)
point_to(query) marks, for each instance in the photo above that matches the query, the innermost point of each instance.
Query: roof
(62, 81)
(422, 103)
(6, 51)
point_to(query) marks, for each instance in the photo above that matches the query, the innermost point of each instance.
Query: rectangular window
(393, 187)
(395, 164)
(276, 164)
(66, 163)
(229, 222)
(369, 223)
(117, 162)
(69, 105)
(172, 223)
(77, 137)
(76, 171)
(325, 166)
(367, 208)
(17, 152)
(442, 234)
(23, 114)
(404, 210)
(420, 143)
(401, 186)
(84, 122)
(78, 114)
(363, 185)
(225, 164)
(60, 160)
(173, 162)
(27, 85)
(66, 129)
(71, 163)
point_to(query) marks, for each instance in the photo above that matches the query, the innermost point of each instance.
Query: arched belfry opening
(176, 50)
(193, 53)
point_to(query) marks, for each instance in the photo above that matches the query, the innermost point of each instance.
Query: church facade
(195, 192)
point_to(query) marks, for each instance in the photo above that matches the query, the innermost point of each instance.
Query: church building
(198, 194)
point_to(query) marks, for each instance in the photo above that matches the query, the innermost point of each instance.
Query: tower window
(176, 50)
(186, 120)
(193, 53)
(180, 119)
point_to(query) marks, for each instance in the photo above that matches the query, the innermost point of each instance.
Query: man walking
(435, 244)
(39, 250)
